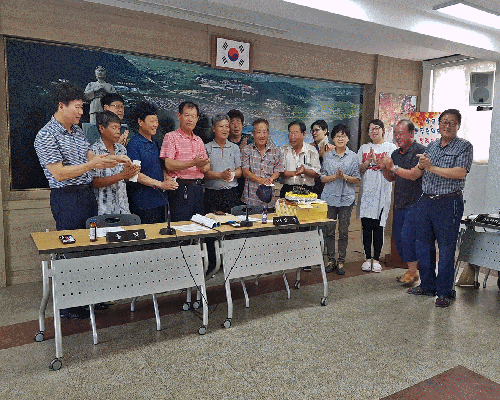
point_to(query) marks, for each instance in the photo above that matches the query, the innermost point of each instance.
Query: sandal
(408, 278)
(417, 291)
(442, 301)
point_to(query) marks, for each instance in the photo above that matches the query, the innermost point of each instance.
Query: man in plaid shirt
(262, 163)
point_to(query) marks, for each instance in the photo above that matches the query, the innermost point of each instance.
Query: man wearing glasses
(443, 168)
(110, 102)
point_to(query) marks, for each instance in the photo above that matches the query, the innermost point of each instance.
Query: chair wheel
(186, 306)
(39, 336)
(202, 330)
(227, 323)
(55, 364)
(196, 305)
(297, 285)
(323, 301)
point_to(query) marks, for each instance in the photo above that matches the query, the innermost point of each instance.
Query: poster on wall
(426, 126)
(390, 108)
(34, 68)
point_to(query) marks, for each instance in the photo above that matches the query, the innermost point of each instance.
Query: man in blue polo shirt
(147, 197)
(67, 161)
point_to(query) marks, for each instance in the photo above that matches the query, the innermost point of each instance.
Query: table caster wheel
(55, 364)
(454, 294)
(297, 285)
(196, 305)
(323, 301)
(477, 285)
(39, 336)
(202, 330)
(227, 323)
(186, 306)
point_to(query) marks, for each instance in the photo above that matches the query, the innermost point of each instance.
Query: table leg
(45, 299)
(157, 313)
(92, 322)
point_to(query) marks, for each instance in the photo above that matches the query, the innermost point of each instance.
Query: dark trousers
(438, 220)
(343, 215)
(186, 201)
(404, 229)
(220, 200)
(372, 233)
(150, 216)
(71, 206)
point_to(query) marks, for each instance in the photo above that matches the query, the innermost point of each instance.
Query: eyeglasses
(448, 123)
(117, 106)
(340, 136)
(375, 128)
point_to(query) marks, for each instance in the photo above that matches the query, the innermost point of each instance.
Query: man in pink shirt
(185, 159)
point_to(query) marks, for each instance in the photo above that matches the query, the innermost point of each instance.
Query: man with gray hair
(221, 186)
(407, 191)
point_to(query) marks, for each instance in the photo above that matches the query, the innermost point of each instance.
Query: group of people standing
(118, 174)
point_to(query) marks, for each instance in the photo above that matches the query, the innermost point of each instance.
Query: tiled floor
(370, 341)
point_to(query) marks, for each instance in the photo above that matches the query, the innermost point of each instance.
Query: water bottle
(264, 215)
(93, 230)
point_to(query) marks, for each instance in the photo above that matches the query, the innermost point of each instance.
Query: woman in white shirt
(374, 194)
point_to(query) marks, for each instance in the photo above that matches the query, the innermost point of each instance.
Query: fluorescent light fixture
(470, 12)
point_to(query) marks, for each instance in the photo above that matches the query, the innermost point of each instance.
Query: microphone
(247, 223)
(168, 230)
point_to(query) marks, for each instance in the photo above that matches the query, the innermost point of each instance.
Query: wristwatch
(396, 167)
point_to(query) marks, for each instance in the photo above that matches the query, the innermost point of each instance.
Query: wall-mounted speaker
(481, 88)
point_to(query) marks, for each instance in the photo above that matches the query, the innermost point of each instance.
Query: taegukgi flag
(233, 54)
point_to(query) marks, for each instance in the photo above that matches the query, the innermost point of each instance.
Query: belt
(458, 193)
(74, 188)
(189, 181)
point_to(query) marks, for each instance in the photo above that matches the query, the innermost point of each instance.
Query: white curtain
(450, 89)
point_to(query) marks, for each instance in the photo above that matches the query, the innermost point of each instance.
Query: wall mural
(34, 68)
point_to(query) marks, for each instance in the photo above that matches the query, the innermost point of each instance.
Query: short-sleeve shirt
(340, 193)
(111, 199)
(307, 156)
(54, 143)
(181, 147)
(221, 159)
(406, 191)
(148, 153)
(263, 165)
(457, 153)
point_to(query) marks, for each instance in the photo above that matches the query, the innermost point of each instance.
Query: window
(450, 89)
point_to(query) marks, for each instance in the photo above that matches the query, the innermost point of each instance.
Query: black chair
(242, 210)
(110, 220)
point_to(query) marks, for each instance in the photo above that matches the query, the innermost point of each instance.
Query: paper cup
(134, 178)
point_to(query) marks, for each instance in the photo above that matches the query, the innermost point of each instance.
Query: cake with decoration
(301, 194)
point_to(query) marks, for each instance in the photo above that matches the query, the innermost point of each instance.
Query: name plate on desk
(125, 236)
(486, 219)
(285, 220)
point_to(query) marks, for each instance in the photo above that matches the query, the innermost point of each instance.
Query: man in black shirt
(407, 191)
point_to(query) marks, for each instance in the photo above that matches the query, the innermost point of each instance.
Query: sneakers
(331, 266)
(367, 265)
(376, 267)
(340, 269)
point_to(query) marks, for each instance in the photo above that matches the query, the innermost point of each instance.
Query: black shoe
(307, 269)
(340, 269)
(330, 267)
(101, 306)
(75, 313)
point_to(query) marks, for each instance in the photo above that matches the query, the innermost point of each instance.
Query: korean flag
(233, 54)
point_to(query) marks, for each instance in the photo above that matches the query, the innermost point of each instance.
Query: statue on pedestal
(95, 90)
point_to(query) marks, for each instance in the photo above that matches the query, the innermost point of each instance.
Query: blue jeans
(71, 206)
(404, 229)
(438, 220)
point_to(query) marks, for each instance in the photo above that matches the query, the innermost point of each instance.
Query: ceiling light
(470, 12)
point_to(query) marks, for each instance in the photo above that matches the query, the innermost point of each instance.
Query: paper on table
(243, 217)
(208, 222)
(191, 228)
(101, 232)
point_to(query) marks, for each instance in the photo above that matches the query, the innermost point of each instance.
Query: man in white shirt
(301, 160)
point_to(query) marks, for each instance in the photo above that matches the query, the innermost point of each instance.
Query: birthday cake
(301, 195)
